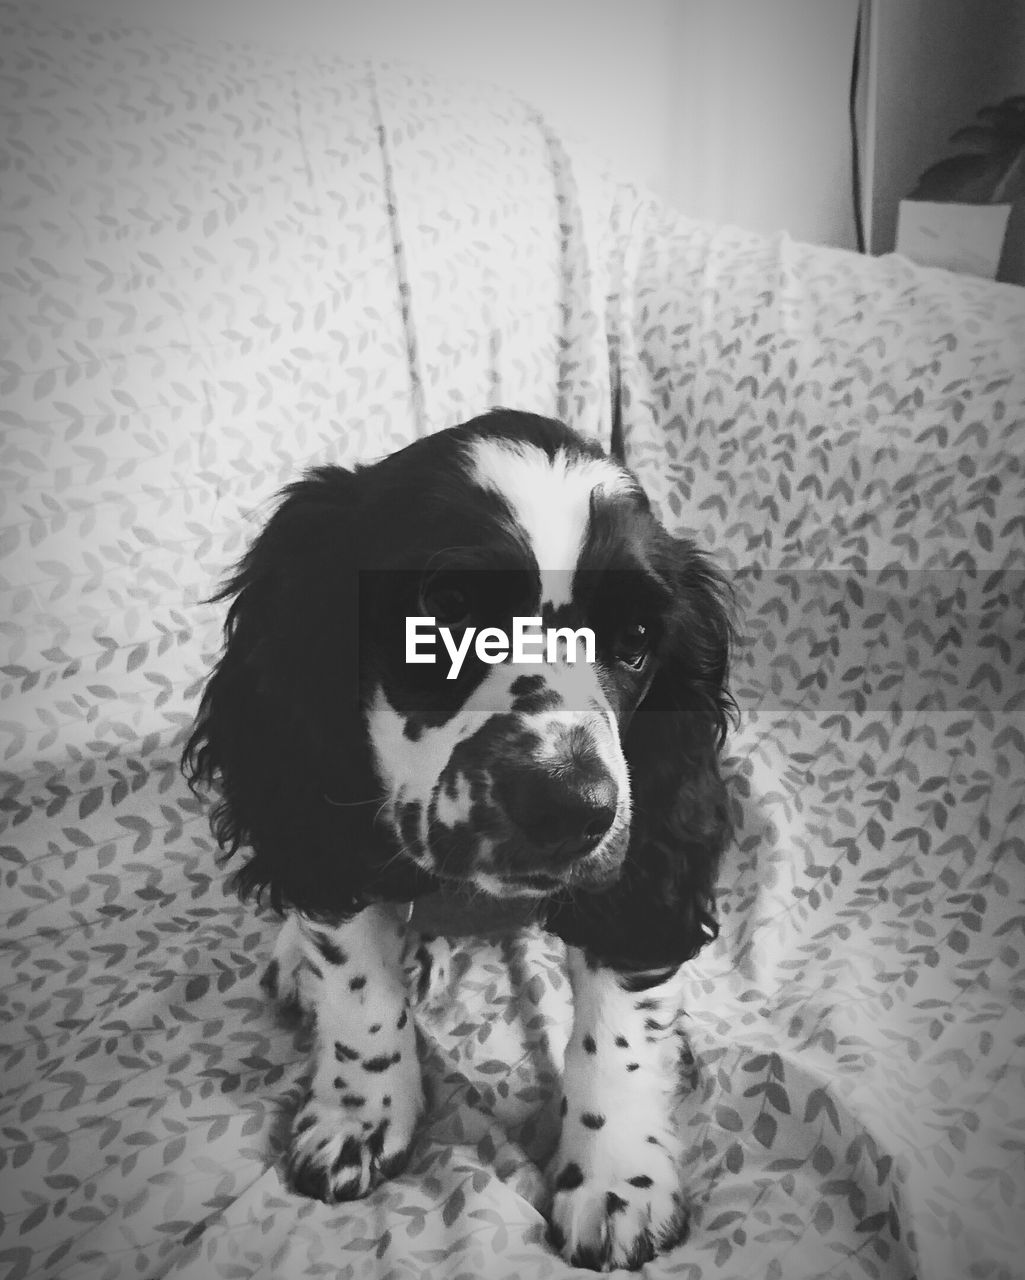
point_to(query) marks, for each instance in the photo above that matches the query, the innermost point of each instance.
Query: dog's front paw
(616, 1200)
(343, 1152)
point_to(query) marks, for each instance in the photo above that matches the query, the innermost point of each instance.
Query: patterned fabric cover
(220, 264)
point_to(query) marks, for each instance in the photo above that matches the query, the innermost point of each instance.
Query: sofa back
(222, 264)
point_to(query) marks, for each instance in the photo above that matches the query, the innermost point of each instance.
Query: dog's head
(518, 760)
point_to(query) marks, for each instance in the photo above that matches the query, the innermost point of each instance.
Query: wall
(733, 110)
(762, 136)
(600, 69)
(938, 61)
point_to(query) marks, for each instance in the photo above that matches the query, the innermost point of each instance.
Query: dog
(359, 775)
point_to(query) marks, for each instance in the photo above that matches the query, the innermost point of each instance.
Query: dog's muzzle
(563, 814)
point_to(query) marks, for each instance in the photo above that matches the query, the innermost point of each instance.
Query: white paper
(961, 237)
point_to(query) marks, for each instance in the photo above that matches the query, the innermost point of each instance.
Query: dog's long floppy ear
(279, 734)
(681, 809)
(661, 911)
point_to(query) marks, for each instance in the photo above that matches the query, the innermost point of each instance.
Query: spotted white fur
(550, 499)
(410, 768)
(618, 1197)
(365, 1095)
(452, 809)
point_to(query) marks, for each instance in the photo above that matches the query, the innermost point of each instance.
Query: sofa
(222, 263)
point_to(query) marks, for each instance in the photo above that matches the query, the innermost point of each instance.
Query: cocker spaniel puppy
(358, 775)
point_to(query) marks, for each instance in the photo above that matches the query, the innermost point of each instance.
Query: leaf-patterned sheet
(222, 263)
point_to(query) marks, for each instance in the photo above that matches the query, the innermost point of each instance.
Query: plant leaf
(991, 139)
(964, 179)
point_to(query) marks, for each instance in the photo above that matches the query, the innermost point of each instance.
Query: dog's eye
(633, 644)
(448, 605)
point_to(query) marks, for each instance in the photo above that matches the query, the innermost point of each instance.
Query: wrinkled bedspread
(220, 264)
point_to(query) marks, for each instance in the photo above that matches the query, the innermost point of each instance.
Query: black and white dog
(358, 780)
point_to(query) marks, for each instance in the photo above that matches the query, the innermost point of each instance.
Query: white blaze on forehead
(550, 499)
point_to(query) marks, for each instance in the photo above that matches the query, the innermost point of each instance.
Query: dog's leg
(356, 1125)
(615, 1177)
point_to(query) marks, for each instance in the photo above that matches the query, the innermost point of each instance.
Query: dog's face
(511, 775)
(350, 769)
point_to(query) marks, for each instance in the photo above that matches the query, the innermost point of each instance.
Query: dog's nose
(564, 817)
